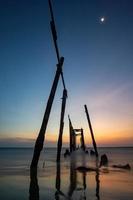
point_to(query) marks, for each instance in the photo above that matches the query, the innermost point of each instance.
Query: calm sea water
(64, 182)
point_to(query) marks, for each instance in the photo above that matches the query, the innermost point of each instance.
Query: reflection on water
(97, 180)
(77, 182)
(73, 176)
(58, 192)
(112, 184)
(58, 181)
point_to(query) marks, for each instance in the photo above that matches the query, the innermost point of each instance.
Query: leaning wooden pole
(59, 146)
(34, 187)
(91, 131)
(54, 35)
(41, 136)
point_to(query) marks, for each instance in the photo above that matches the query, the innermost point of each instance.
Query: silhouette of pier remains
(73, 132)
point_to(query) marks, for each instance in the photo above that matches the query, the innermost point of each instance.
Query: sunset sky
(98, 70)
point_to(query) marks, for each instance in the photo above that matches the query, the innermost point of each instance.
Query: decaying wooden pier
(72, 132)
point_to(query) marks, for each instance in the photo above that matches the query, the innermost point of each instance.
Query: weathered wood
(53, 30)
(91, 131)
(82, 140)
(54, 35)
(70, 135)
(59, 146)
(41, 136)
(34, 188)
(74, 140)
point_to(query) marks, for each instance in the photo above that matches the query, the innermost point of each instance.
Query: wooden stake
(59, 146)
(71, 136)
(82, 140)
(41, 136)
(91, 131)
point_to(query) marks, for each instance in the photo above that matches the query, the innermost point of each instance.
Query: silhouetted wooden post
(91, 130)
(74, 140)
(41, 136)
(59, 146)
(34, 188)
(70, 134)
(54, 35)
(82, 140)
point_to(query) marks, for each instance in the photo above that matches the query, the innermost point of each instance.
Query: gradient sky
(98, 69)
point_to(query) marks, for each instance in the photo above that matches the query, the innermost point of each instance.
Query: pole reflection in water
(58, 192)
(74, 180)
(57, 185)
(97, 180)
(34, 188)
(73, 175)
(75, 192)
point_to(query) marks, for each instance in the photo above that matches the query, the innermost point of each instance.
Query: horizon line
(68, 147)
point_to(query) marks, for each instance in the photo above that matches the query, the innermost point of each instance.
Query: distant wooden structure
(79, 132)
(72, 134)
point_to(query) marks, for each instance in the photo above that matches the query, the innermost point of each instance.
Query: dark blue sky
(98, 66)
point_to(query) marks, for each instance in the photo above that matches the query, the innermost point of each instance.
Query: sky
(98, 70)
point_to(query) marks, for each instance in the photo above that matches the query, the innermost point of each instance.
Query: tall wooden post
(59, 146)
(82, 140)
(54, 35)
(91, 131)
(41, 136)
(70, 134)
(34, 188)
(74, 140)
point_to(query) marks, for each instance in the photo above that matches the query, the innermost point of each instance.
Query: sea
(63, 180)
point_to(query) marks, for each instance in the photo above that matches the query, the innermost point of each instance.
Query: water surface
(63, 181)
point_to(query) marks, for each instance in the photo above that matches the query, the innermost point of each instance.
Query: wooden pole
(82, 140)
(91, 131)
(59, 146)
(70, 134)
(54, 35)
(41, 136)
(34, 188)
(74, 140)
